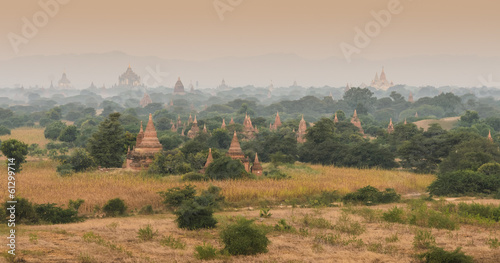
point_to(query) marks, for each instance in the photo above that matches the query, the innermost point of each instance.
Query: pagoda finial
(489, 136)
(405, 121)
(141, 130)
(355, 114)
(256, 158)
(195, 121)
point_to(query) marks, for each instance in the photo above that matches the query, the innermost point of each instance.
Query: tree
(81, 160)
(4, 130)
(355, 96)
(340, 115)
(68, 134)
(16, 150)
(225, 168)
(220, 139)
(53, 130)
(106, 145)
(469, 118)
(55, 114)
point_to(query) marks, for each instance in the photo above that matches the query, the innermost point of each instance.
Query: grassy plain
(40, 183)
(446, 123)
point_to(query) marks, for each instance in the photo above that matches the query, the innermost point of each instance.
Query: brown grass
(446, 123)
(40, 183)
(27, 135)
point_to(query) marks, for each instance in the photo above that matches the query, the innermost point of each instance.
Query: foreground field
(377, 241)
(40, 183)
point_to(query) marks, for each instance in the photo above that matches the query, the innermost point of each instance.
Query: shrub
(114, 207)
(282, 226)
(477, 210)
(423, 239)
(25, 211)
(64, 169)
(244, 238)
(264, 212)
(437, 254)
(210, 197)
(50, 213)
(75, 204)
(191, 215)
(392, 238)
(346, 225)
(205, 252)
(225, 168)
(464, 182)
(4, 130)
(173, 197)
(81, 160)
(370, 195)
(276, 175)
(326, 198)
(172, 242)
(310, 221)
(425, 217)
(394, 215)
(146, 210)
(194, 176)
(147, 233)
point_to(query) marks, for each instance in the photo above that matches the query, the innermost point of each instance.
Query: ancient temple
(381, 83)
(190, 119)
(129, 78)
(236, 153)
(335, 120)
(205, 128)
(416, 114)
(231, 121)
(489, 136)
(277, 122)
(301, 133)
(64, 82)
(248, 129)
(145, 100)
(223, 126)
(355, 120)
(194, 129)
(410, 98)
(210, 159)
(390, 128)
(147, 145)
(179, 87)
(223, 86)
(256, 167)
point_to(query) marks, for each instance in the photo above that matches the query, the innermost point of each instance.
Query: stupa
(210, 159)
(145, 100)
(194, 129)
(277, 122)
(147, 145)
(301, 133)
(248, 129)
(256, 167)
(236, 153)
(179, 87)
(390, 128)
(355, 120)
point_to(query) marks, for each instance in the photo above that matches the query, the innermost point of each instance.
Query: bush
(264, 212)
(225, 168)
(194, 176)
(50, 213)
(64, 169)
(81, 160)
(210, 197)
(437, 254)
(191, 216)
(423, 239)
(206, 252)
(326, 198)
(4, 130)
(146, 210)
(395, 215)
(276, 174)
(370, 195)
(25, 211)
(244, 238)
(172, 242)
(282, 226)
(175, 196)
(147, 233)
(464, 182)
(114, 207)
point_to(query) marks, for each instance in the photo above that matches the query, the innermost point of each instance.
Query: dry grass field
(40, 183)
(27, 135)
(379, 242)
(446, 123)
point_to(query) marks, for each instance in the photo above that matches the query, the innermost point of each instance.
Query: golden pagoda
(179, 87)
(256, 167)
(390, 128)
(277, 122)
(147, 145)
(302, 131)
(355, 120)
(248, 129)
(210, 159)
(236, 153)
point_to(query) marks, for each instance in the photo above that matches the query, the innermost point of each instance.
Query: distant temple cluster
(381, 83)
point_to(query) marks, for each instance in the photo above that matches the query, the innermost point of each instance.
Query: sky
(207, 29)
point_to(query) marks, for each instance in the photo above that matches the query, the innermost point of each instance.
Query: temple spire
(223, 126)
(489, 136)
(390, 128)
(335, 120)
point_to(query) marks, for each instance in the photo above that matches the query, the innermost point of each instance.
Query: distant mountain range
(279, 69)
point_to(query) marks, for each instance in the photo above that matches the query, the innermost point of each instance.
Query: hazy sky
(192, 29)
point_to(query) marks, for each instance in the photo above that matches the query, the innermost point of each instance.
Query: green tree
(81, 160)
(469, 118)
(68, 134)
(16, 150)
(106, 145)
(53, 130)
(225, 168)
